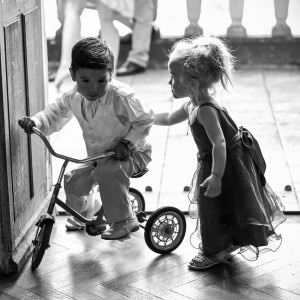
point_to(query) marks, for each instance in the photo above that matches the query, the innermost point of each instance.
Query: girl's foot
(202, 262)
(228, 253)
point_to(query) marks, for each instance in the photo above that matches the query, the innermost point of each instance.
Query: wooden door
(24, 164)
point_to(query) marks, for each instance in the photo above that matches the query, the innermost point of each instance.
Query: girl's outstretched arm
(209, 117)
(167, 119)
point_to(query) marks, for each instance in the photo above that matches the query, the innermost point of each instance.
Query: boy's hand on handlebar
(27, 124)
(122, 151)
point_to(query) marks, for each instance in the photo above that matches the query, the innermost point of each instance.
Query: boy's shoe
(121, 229)
(97, 227)
(74, 224)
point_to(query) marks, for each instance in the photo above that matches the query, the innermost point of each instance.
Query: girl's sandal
(201, 262)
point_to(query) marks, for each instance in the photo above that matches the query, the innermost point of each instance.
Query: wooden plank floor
(78, 266)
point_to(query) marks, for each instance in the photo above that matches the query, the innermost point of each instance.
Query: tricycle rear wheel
(137, 200)
(165, 230)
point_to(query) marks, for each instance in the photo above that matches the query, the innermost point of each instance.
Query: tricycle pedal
(141, 216)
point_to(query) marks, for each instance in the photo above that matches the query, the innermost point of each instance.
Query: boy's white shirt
(124, 115)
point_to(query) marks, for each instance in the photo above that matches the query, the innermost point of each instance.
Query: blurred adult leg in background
(142, 30)
(109, 11)
(138, 15)
(69, 12)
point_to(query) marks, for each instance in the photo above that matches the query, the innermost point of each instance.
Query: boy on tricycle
(111, 118)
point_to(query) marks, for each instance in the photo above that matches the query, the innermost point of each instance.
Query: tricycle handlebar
(74, 160)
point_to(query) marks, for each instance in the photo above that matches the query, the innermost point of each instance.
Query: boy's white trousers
(113, 178)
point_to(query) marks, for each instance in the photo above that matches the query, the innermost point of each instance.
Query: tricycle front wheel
(165, 230)
(41, 242)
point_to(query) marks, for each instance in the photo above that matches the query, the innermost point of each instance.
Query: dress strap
(209, 104)
(219, 109)
(214, 106)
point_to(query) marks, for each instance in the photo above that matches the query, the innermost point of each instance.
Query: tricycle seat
(139, 173)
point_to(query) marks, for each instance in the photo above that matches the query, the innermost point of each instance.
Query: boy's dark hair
(92, 53)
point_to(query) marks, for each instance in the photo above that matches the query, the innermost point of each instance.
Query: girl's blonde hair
(207, 59)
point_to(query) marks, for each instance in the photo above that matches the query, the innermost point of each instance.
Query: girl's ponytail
(222, 60)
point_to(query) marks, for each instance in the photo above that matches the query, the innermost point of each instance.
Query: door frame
(15, 250)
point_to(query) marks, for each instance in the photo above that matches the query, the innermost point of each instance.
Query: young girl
(236, 209)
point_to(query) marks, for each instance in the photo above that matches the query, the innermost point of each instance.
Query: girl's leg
(70, 35)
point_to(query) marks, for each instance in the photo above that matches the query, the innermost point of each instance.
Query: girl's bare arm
(167, 119)
(210, 119)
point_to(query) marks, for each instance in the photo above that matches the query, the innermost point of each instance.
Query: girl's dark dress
(247, 211)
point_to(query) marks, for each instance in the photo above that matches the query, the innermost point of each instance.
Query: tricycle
(163, 232)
